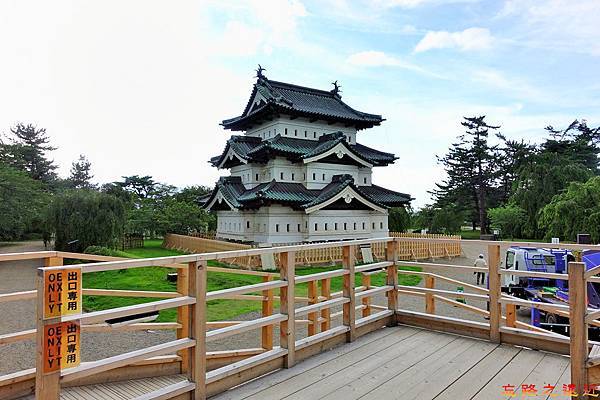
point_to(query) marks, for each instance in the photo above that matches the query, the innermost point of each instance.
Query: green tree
(81, 174)
(398, 219)
(510, 219)
(193, 194)
(82, 218)
(472, 169)
(447, 220)
(577, 210)
(182, 218)
(22, 200)
(27, 149)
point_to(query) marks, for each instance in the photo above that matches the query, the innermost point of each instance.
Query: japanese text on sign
(62, 292)
(61, 346)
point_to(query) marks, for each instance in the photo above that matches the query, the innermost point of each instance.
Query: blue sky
(140, 87)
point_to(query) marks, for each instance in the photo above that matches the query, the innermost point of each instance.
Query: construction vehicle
(550, 291)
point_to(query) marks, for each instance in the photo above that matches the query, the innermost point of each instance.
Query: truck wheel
(551, 318)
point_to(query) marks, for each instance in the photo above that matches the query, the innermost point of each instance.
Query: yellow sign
(61, 346)
(62, 292)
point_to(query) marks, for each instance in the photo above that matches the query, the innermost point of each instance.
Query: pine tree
(472, 169)
(26, 151)
(81, 175)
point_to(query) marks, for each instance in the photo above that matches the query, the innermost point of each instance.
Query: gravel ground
(17, 316)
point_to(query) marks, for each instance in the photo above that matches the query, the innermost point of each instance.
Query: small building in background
(297, 171)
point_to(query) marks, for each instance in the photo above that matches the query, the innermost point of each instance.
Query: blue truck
(551, 291)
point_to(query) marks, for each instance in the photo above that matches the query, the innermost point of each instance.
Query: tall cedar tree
(26, 151)
(81, 174)
(471, 166)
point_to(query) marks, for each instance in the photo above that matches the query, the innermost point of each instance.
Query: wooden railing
(435, 247)
(209, 373)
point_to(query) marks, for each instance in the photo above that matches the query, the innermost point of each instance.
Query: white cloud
(556, 24)
(374, 58)
(469, 39)
(258, 26)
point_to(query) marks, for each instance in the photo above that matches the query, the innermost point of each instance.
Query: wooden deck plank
(287, 387)
(547, 372)
(404, 354)
(564, 379)
(405, 383)
(311, 380)
(514, 373)
(281, 376)
(440, 376)
(477, 377)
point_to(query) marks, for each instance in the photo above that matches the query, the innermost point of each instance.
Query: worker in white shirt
(480, 263)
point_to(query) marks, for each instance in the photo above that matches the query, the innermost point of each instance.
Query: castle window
(281, 175)
(298, 227)
(304, 176)
(292, 176)
(314, 135)
(325, 225)
(355, 226)
(323, 176)
(335, 226)
(373, 225)
(305, 134)
(345, 226)
(314, 176)
(276, 227)
(288, 227)
(275, 131)
(256, 177)
(365, 180)
(315, 227)
(363, 226)
(295, 132)
(247, 224)
(381, 225)
(286, 131)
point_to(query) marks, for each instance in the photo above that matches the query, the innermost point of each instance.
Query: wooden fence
(438, 246)
(210, 373)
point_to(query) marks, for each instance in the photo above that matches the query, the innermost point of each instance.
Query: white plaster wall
(300, 128)
(279, 224)
(316, 170)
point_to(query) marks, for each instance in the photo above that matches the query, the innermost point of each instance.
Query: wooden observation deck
(353, 348)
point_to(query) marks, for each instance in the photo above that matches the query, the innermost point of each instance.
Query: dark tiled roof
(297, 196)
(284, 192)
(231, 188)
(241, 145)
(298, 149)
(286, 98)
(385, 196)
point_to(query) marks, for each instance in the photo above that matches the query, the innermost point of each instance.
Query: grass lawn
(155, 279)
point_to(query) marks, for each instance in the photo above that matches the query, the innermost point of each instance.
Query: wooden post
(391, 254)
(183, 314)
(578, 330)
(197, 286)
(326, 314)
(349, 309)
(287, 328)
(494, 281)
(511, 315)
(47, 386)
(366, 301)
(429, 299)
(267, 309)
(312, 299)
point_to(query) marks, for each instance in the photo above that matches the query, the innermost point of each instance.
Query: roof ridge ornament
(336, 89)
(259, 72)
